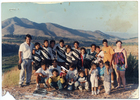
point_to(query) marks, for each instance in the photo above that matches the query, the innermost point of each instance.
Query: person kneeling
(56, 81)
(42, 75)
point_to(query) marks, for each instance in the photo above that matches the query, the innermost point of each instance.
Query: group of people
(60, 66)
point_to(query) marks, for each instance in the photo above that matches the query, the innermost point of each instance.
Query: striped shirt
(54, 51)
(46, 53)
(37, 56)
(69, 58)
(61, 57)
(90, 55)
(76, 54)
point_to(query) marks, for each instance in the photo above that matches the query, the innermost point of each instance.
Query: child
(47, 53)
(107, 78)
(68, 57)
(42, 75)
(55, 66)
(99, 55)
(101, 75)
(63, 75)
(82, 57)
(36, 57)
(53, 47)
(108, 56)
(94, 78)
(82, 82)
(76, 54)
(61, 57)
(56, 81)
(71, 77)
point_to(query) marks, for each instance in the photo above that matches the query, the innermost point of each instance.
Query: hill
(22, 26)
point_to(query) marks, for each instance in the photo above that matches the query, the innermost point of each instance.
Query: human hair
(52, 41)
(93, 64)
(29, 36)
(76, 42)
(54, 61)
(68, 47)
(93, 45)
(45, 41)
(118, 41)
(54, 70)
(82, 48)
(61, 41)
(72, 65)
(101, 61)
(98, 47)
(107, 63)
(80, 71)
(105, 40)
(37, 43)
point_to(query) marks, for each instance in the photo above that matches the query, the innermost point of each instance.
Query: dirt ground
(26, 92)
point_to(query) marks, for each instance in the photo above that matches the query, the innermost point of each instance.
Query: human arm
(125, 56)
(20, 57)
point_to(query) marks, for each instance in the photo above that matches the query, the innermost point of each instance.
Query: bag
(19, 66)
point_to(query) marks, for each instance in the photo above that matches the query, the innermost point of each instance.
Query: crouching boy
(56, 81)
(42, 75)
(82, 82)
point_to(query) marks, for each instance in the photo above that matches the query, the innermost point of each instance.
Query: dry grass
(11, 78)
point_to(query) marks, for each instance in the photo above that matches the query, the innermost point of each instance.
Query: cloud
(118, 25)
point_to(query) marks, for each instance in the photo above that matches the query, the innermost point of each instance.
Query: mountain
(22, 26)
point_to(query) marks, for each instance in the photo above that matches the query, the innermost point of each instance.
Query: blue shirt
(101, 71)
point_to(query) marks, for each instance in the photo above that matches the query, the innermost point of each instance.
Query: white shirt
(72, 75)
(58, 68)
(26, 50)
(46, 72)
(94, 73)
(98, 58)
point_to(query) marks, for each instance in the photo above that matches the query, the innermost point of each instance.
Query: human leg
(122, 75)
(22, 72)
(117, 77)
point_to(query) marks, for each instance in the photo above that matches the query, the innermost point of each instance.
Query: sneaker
(20, 85)
(27, 83)
(92, 93)
(98, 91)
(80, 88)
(45, 86)
(37, 87)
(95, 93)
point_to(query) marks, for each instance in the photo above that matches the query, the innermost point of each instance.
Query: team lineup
(61, 66)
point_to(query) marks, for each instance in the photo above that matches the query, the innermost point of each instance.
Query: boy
(108, 56)
(90, 56)
(47, 53)
(99, 55)
(107, 78)
(36, 63)
(71, 77)
(55, 66)
(69, 57)
(61, 57)
(76, 54)
(82, 82)
(101, 75)
(56, 81)
(42, 75)
(82, 57)
(53, 47)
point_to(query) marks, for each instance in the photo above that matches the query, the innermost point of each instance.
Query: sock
(112, 81)
(37, 84)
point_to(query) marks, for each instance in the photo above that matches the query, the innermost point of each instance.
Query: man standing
(25, 59)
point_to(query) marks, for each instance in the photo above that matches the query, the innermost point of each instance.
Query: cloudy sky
(109, 17)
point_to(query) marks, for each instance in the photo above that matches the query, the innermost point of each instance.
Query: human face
(37, 47)
(82, 51)
(71, 69)
(97, 50)
(46, 44)
(44, 67)
(107, 67)
(101, 65)
(119, 45)
(52, 44)
(93, 48)
(68, 50)
(33, 51)
(54, 64)
(81, 74)
(93, 66)
(105, 44)
(28, 40)
(55, 73)
(61, 44)
(76, 45)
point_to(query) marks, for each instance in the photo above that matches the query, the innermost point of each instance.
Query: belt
(28, 59)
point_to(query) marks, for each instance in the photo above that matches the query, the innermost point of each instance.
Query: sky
(108, 17)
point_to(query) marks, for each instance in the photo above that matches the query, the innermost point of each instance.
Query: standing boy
(108, 56)
(53, 47)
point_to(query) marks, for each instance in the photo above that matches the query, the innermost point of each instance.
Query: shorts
(87, 64)
(43, 80)
(100, 81)
(120, 67)
(36, 66)
(94, 82)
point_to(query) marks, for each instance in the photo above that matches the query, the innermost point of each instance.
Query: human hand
(20, 61)
(126, 65)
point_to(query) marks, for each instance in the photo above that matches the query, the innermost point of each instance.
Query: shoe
(37, 87)
(20, 85)
(112, 86)
(95, 93)
(45, 86)
(98, 91)
(80, 88)
(92, 93)
(27, 83)
(117, 87)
